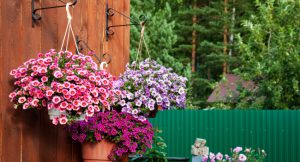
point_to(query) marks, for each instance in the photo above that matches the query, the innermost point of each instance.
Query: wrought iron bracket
(111, 12)
(36, 17)
(103, 57)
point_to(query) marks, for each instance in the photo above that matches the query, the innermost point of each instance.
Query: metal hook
(36, 17)
(105, 56)
(110, 12)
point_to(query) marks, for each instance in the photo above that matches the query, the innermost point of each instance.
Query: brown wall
(29, 136)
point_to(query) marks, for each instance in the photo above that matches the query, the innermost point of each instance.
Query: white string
(142, 41)
(146, 47)
(68, 30)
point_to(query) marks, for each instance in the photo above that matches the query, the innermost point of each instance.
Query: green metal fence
(276, 131)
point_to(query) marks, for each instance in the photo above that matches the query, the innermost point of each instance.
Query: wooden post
(29, 135)
(225, 39)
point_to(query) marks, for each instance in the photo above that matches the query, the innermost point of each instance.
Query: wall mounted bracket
(103, 57)
(111, 12)
(36, 17)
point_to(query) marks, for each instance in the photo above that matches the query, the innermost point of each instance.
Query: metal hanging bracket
(103, 57)
(111, 12)
(36, 17)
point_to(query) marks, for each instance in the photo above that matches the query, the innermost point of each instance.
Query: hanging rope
(141, 42)
(69, 30)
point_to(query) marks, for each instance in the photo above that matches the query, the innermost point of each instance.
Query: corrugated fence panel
(276, 131)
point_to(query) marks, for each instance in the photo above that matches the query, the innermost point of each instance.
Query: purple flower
(153, 85)
(131, 134)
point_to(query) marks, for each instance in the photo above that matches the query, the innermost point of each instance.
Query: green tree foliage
(159, 33)
(270, 55)
(211, 20)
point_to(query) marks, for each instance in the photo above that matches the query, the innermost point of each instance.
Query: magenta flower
(130, 134)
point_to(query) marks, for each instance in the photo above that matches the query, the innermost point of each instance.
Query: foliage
(64, 81)
(270, 55)
(128, 133)
(237, 155)
(159, 35)
(147, 85)
(157, 152)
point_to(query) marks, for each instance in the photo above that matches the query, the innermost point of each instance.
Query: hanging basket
(96, 152)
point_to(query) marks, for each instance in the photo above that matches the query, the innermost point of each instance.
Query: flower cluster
(238, 155)
(128, 133)
(64, 81)
(148, 85)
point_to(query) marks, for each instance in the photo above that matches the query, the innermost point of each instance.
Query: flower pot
(96, 152)
(53, 113)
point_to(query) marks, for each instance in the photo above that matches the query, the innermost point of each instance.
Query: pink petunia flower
(44, 79)
(22, 99)
(242, 158)
(26, 105)
(237, 149)
(49, 93)
(56, 100)
(105, 82)
(219, 156)
(42, 70)
(58, 74)
(63, 120)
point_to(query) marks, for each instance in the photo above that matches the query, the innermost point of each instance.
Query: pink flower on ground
(219, 156)
(56, 99)
(242, 158)
(212, 156)
(237, 149)
(204, 158)
(227, 157)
